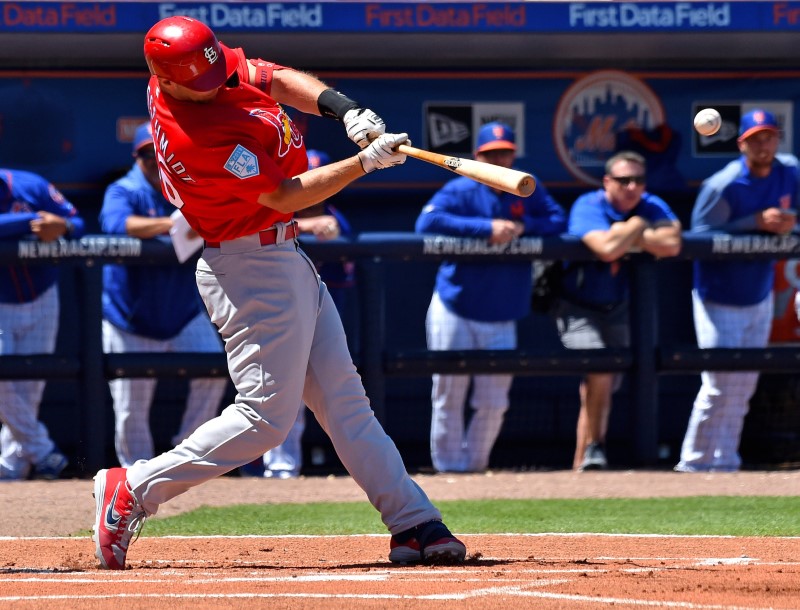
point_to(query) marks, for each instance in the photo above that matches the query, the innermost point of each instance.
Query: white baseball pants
(285, 344)
(286, 459)
(26, 328)
(453, 449)
(133, 397)
(715, 425)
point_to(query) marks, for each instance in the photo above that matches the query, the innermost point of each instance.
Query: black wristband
(334, 105)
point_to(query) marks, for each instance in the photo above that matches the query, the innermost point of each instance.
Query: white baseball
(707, 122)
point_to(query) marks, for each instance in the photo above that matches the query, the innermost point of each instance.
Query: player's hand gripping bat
(502, 178)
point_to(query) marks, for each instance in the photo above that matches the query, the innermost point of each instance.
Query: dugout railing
(644, 362)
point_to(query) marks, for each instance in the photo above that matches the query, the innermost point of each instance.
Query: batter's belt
(268, 237)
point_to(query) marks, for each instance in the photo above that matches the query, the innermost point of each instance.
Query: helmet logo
(211, 54)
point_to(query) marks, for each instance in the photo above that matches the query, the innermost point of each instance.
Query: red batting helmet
(187, 52)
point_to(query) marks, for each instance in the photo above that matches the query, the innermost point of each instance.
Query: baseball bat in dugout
(502, 178)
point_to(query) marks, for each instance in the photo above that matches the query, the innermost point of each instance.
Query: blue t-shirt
(22, 195)
(596, 283)
(487, 292)
(149, 301)
(727, 202)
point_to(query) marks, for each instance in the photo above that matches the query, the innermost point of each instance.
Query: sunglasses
(146, 154)
(626, 180)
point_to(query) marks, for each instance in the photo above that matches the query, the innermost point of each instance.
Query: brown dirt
(329, 573)
(515, 572)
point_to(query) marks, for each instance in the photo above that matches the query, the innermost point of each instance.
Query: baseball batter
(235, 164)
(29, 207)
(732, 300)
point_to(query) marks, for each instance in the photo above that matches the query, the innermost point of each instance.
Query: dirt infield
(316, 573)
(512, 572)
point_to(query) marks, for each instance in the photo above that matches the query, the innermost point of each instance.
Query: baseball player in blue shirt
(619, 218)
(733, 302)
(29, 308)
(151, 309)
(476, 306)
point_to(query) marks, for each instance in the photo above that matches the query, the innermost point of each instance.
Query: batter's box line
(488, 592)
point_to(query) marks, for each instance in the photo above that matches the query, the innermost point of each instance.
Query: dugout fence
(647, 362)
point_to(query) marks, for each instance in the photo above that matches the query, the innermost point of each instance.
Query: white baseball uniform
(26, 328)
(733, 306)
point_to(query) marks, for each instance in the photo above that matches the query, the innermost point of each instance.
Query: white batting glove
(381, 153)
(363, 126)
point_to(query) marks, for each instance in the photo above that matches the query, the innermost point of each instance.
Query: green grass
(709, 515)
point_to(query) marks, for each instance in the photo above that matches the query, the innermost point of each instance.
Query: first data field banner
(375, 17)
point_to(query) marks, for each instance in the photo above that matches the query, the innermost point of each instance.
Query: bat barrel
(502, 178)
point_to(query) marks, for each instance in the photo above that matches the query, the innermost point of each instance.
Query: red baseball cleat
(118, 517)
(429, 542)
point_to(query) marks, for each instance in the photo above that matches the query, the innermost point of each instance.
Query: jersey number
(169, 191)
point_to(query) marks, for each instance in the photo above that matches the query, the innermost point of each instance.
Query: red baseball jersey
(216, 158)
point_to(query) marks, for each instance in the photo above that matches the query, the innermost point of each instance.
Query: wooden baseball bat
(503, 178)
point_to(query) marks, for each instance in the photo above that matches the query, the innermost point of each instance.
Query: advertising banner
(416, 17)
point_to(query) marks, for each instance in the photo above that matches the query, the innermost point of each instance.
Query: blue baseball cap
(496, 136)
(755, 121)
(142, 137)
(317, 158)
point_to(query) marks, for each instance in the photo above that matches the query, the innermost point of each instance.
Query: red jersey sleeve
(262, 79)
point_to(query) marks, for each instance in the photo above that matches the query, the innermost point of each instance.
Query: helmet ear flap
(186, 51)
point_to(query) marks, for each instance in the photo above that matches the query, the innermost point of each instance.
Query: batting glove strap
(381, 153)
(363, 126)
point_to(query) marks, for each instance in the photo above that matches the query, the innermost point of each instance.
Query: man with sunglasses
(612, 221)
(733, 300)
(151, 309)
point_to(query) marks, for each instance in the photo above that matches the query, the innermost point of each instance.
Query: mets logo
(288, 133)
(17, 206)
(593, 111)
(242, 163)
(211, 54)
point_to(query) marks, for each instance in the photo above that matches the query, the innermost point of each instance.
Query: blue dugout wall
(649, 416)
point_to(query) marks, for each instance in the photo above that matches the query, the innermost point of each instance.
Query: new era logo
(444, 130)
